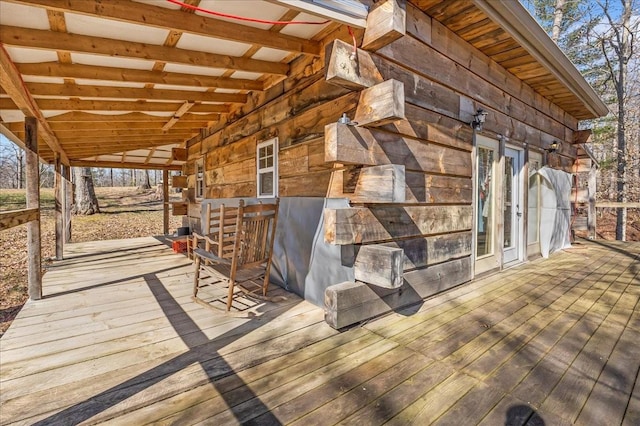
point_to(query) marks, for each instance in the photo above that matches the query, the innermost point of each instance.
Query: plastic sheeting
(302, 262)
(555, 210)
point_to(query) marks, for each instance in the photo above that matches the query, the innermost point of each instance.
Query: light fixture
(478, 119)
(553, 147)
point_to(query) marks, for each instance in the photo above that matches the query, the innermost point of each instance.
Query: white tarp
(555, 210)
(302, 262)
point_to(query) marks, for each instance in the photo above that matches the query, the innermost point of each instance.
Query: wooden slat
(11, 218)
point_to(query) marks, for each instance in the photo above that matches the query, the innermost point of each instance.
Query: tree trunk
(146, 183)
(86, 202)
(558, 14)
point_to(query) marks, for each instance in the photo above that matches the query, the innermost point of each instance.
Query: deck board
(117, 339)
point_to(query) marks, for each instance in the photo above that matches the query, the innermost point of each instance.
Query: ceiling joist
(125, 106)
(51, 40)
(91, 72)
(143, 14)
(82, 91)
(133, 117)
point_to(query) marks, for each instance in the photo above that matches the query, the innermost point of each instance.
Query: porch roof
(121, 83)
(118, 338)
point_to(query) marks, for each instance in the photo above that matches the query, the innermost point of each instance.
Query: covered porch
(117, 339)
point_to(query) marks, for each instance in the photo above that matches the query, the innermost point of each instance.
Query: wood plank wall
(445, 80)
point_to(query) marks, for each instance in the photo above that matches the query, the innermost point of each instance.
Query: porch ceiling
(120, 83)
(506, 33)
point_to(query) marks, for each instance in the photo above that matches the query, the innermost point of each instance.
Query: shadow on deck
(118, 339)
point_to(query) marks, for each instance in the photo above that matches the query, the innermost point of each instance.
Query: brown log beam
(83, 91)
(12, 218)
(124, 106)
(12, 83)
(381, 104)
(581, 136)
(33, 202)
(124, 165)
(385, 24)
(91, 72)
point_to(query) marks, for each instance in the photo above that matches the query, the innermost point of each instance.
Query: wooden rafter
(68, 127)
(53, 69)
(42, 39)
(78, 117)
(139, 13)
(12, 83)
(89, 105)
(125, 165)
(73, 90)
(179, 113)
(90, 133)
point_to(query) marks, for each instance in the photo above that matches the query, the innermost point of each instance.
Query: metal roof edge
(516, 20)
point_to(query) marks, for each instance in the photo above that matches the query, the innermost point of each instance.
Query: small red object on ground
(180, 245)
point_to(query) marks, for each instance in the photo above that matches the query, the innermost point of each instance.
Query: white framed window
(200, 178)
(267, 168)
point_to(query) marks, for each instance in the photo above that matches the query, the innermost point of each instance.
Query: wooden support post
(385, 24)
(33, 201)
(581, 136)
(165, 201)
(591, 213)
(59, 197)
(350, 71)
(381, 104)
(67, 201)
(379, 265)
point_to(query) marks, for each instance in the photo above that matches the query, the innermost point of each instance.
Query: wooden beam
(124, 165)
(59, 200)
(356, 145)
(179, 154)
(43, 39)
(379, 265)
(179, 113)
(67, 202)
(381, 104)
(78, 117)
(84, 91)
(353, 302)
(617, 205)
(346, 70)
(12, 83)
(149, 15)
(364, 225)
(61, 127)
(581, 136)
(33, 202)
(124, 106)
(385, 24)
(11, 218)
(91, 72)
(380, 184)
(165, 201)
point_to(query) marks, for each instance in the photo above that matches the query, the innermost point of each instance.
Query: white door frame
(515, 207)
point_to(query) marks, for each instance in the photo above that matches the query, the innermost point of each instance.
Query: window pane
(269, 161)
(262, 152)
(266, 183)
(484, 239)
(269, 149)
(508, 200)
(532, 220)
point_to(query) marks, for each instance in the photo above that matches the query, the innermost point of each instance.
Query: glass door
(487, 244)
(513, 205)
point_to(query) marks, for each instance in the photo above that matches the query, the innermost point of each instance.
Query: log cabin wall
(406, 164)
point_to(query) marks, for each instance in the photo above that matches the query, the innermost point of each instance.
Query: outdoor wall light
(553, 147)
(478, 119)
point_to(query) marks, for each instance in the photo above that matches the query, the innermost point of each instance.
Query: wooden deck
(117, 339)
